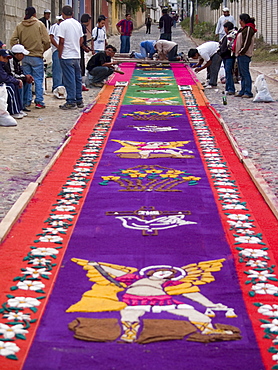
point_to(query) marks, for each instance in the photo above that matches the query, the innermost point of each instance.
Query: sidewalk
(27, 149)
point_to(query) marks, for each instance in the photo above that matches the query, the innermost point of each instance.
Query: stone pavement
(26, 149)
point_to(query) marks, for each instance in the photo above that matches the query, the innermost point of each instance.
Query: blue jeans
(243, 62)
(72, 80)
(142, 54)
(125, 44)
(229, 66)
(57, 75)
(33, 66)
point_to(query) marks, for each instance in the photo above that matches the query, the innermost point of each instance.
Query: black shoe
(67, 106)
(26, 110)
(80, 105)
(132, 55)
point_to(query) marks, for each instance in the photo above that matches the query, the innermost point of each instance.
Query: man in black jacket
(100, 65)
(45, 19)
(165, 26)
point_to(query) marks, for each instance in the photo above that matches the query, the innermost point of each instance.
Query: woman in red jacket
(243, 48)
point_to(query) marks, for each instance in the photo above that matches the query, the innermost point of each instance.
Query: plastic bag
(263, 94)
(5, 118)
(60, 92)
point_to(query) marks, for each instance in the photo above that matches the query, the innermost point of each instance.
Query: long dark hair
(246, 18)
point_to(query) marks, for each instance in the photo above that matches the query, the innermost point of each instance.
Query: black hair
(164, 11)
(85, 18)
(246, 18)
(229, 25)
(111, 47)
(127, 14)
(29, 12)
(100, 19)
(192, 53)
(67, 10)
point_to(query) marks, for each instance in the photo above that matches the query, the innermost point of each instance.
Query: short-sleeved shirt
(98, 60)
(126, 27)
(99, 37)
(207, 50)
(53, 31)
(71, 31)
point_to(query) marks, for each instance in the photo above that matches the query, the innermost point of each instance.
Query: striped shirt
(126, 27)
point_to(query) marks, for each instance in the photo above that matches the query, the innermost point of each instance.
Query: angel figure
(152, 289)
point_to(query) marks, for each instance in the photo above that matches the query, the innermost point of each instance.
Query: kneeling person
(167, 50)
(100, 65)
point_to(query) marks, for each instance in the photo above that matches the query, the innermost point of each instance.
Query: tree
(214, 4)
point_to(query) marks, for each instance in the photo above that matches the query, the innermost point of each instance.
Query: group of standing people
(235, 45)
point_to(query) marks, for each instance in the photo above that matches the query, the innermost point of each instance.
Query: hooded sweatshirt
(244, 43)
(32, 34)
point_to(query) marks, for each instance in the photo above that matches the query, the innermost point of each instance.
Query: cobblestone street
(27, 148)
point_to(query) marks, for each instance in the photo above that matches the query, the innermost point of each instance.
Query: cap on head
(47, 11)
(5, 53)
(29, 12)
(59, 18)
(102, 16)
(225, 9)
(19, 49)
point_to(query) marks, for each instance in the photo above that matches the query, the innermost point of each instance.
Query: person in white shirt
(70, 35)
(208, 58)
(57, 76)
(99, 39)
(226, 17)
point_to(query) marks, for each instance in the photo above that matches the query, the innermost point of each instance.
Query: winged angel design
(153, 289)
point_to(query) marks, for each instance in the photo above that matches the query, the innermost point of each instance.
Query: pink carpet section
(181, 76)
(128, 69)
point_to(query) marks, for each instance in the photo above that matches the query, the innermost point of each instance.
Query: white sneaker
(17, 115)
(24, 114)
(210, 87)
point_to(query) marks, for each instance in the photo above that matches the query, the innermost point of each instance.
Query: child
(99, 39)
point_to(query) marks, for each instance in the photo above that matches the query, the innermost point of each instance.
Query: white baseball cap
(19, 49)
(47, 11)
(226, 9)
(59, 17)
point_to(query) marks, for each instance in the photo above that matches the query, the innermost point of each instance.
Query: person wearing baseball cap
(14, 68)
(13, 85)
(226, 17)
(46, 19)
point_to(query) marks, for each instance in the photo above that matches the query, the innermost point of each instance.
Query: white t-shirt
(208, 49)
(71, 31)
(99, 43)
(53, 31)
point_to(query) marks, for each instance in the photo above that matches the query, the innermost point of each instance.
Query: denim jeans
(125, 44)
(213, 69)
(72, 80)
(57, 75)
(229, 66)
(33, 66)
(166, 36)
(243, 62)
(142, 54)
(100, 73)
